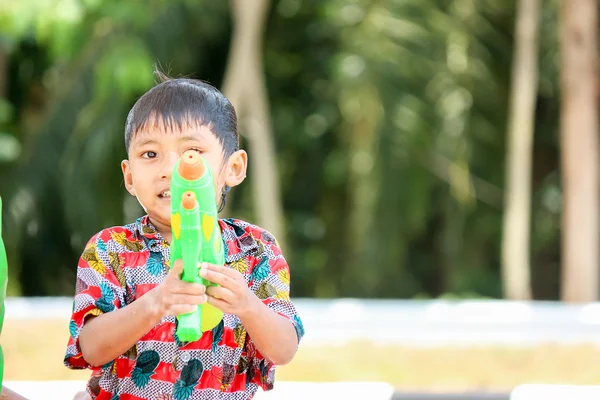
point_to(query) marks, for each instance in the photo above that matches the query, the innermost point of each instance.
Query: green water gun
(3, 283)
(196, 236)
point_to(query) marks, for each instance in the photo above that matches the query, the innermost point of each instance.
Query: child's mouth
(165, 195)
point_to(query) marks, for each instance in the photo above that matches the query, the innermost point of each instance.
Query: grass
(34, 351)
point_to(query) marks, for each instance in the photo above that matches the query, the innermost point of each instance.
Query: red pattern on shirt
(121, 264)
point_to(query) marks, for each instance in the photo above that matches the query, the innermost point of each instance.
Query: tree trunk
(521, 125)
(364, 186)
(245, 87)
(579, 150)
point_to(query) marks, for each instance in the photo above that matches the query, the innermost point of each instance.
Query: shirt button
(185, 357)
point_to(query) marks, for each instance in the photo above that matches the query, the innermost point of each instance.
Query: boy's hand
(232, 296)
(174, 296)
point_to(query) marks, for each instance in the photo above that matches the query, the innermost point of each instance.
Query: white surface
(50, 390)
(329, 391)
(65, 390)
(555, 392)
(419, 323)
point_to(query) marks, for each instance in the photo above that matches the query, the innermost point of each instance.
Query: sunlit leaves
(125, 69)
(10, 148)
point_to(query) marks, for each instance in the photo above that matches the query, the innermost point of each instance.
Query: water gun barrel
(191, 166)
(189, 324)
(196, 235)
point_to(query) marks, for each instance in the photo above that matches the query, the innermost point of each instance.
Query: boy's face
(152, 156)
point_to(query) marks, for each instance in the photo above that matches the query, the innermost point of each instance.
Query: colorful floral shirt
(120, 264)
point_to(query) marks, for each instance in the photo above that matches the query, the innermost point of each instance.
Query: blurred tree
(389, 130)
(420, 86)
(245, 86)
(579, 145)
(521, 119)
(93, 60)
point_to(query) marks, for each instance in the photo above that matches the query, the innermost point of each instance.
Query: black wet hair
(177, 102)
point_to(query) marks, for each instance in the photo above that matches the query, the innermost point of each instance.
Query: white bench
(555, 392)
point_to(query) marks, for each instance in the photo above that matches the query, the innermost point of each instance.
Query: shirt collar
(149, 234)
(238, 242)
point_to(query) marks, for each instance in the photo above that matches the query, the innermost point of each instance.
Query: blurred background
(430, 168)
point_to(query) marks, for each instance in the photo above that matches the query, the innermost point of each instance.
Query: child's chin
(161, 213)
(164, 206)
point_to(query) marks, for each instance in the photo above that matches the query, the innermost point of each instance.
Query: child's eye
(198, 150)
(149, 154)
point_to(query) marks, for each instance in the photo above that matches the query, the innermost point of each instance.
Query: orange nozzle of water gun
(191, 166)
(188, 201)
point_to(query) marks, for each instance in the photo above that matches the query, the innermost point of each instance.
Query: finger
(232, 273)
(176, 269)
(188, 299)
(179, 309)
(225, 270)
(216, 277)
(220, 304)
(212, 267)
(220, 292)
(189, 288)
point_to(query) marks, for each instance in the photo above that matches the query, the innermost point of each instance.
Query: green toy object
(196, 236)
(3, 283)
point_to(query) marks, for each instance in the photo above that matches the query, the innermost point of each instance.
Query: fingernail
(203, 272)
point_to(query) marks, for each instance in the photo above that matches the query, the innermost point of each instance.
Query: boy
(127, 296)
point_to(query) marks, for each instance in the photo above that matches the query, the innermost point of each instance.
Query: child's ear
(236, 169)
(127, 177)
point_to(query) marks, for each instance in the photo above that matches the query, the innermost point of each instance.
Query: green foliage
(10, 148)
(390, 129)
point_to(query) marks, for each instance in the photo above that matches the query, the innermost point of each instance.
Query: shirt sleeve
(270, 281)
(97, 291)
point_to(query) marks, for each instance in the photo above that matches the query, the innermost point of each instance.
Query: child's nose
(168, 165)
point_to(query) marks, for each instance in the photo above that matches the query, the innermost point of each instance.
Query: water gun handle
(189, 242)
